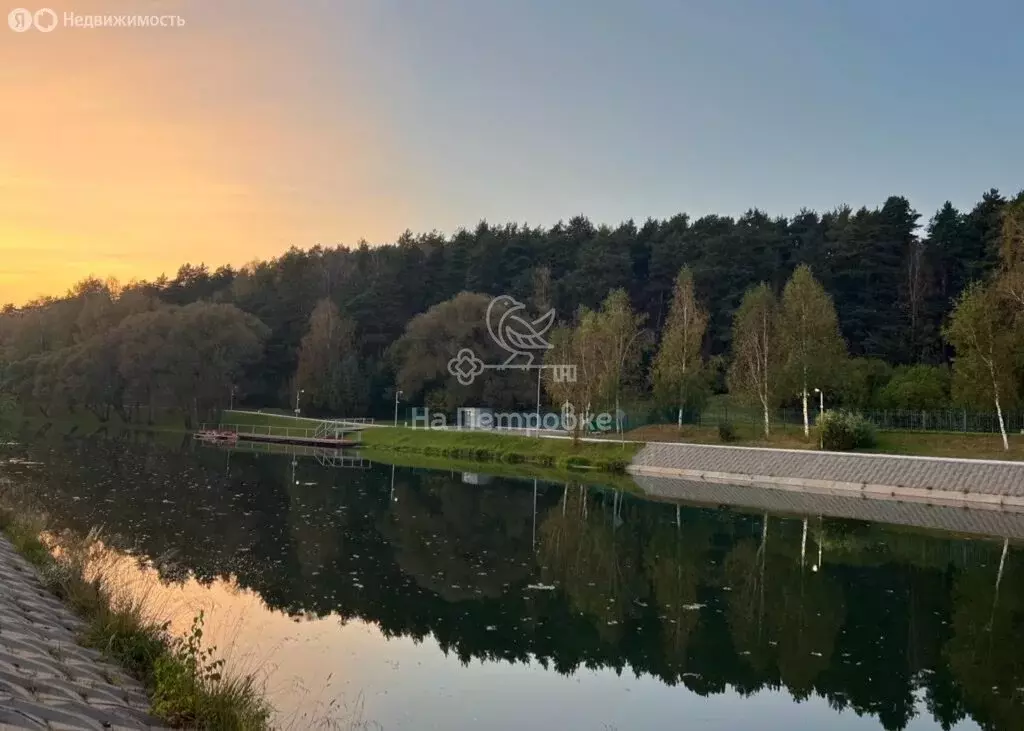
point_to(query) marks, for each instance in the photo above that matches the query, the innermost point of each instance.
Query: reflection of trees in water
(890, 614)
(984, 652)
(143, 492)
(784, 615)
(460, 542)
(316, 519)
(590, 559)
(676, 559)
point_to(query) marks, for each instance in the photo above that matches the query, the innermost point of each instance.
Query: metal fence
(944, 420)
(951, 420)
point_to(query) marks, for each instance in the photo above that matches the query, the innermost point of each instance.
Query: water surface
(415, 599)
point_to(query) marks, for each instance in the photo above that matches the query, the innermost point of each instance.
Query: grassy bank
(501, 469)
(943, 444)
(468, 447)
(266, 418)
(188, 687)
(560, 454)
(923, 444)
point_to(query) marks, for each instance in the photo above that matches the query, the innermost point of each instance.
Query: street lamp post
(233, 389)
(398, 394)
(540, 371)
(298, 394)
(821, 410)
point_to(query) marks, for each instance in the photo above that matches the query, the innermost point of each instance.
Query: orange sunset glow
(127, 152)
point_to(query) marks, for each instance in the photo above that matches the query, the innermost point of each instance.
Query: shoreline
(972, 521)
(991, 484)
(183, 686)
(987, 484)
(49, 678)
(981, 482)
(585, 457)
(505, 470)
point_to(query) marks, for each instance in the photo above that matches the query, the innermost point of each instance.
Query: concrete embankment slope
(1003, 524)
(960, 482)
(46, 679)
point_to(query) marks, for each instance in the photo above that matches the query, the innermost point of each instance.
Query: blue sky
(536, 110)
(261, 124)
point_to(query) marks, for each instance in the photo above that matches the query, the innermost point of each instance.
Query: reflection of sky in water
(720, 602)
(349, 672)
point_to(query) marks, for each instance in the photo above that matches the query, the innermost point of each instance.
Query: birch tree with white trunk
(622, 340)
(579, 347)
(981, 330)
(754, 371)
(812, 347)
(679, 367)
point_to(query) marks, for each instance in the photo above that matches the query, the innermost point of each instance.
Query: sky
(264, 124)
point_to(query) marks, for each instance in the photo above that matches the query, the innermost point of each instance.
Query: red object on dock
(214, 435)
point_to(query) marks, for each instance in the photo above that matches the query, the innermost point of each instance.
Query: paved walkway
(48, 681)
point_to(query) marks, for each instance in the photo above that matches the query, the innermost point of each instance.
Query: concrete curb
(830, 487)
(989, 484)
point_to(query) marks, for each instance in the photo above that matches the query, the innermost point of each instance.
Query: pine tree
(984, 233)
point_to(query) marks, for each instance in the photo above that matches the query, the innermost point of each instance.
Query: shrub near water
(190, 689)
(844, 430)
(727, 432)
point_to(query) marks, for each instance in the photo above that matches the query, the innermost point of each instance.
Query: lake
(372, 596)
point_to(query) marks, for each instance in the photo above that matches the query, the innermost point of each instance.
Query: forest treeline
(331, 321)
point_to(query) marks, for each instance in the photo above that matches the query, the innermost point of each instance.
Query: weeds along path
(46, 678)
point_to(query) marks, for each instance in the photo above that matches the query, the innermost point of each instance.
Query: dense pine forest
(331, 321)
